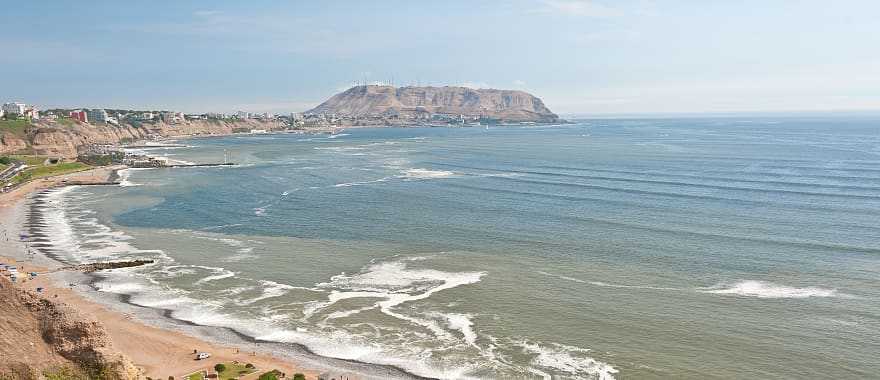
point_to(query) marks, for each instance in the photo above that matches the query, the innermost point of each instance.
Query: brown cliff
(37, 334)
(71, 138)
(370, 101)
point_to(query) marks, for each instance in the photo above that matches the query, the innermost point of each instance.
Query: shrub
(299, 376)
(271, 375)
(220, 367)
(249, 366)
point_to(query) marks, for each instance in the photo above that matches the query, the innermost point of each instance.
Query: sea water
(611, 249)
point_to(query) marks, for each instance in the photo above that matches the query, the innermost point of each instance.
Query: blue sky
(582, 57)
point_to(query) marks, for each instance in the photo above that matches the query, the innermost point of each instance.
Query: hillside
(420, 102)
(41, 335)
(68, 138)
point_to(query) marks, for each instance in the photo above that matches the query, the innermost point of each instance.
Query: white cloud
(583, 8)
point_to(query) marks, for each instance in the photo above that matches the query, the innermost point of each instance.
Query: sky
(586, 57)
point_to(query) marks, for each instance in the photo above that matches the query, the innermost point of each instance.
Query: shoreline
(152, 337)
(157, 352)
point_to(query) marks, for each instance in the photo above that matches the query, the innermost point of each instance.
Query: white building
(243, 115)
(146, 116)
(15, 108)
(97, 115)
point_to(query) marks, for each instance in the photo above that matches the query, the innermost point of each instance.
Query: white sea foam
(420, 173)
(568, 359)
(219, 274)
(76, 233)
(463, 323)
(271, 289)
(349, 184)
(394, 284)
(607, 285)
(763, 289)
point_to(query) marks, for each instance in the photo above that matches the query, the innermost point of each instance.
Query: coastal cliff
(412, 102)
(68, 139)
(40, 336)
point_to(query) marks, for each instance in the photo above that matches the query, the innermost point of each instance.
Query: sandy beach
(159, 353)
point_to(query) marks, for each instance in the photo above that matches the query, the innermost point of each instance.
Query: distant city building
(243, 115)
(15, 108)
(32, 112)
(2, 112)
(97, 115)
(172, 117)
(79, 115)
(146, 116)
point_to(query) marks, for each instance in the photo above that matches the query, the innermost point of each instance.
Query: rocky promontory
(423, 102)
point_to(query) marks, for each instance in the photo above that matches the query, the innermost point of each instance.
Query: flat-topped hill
(374, 100)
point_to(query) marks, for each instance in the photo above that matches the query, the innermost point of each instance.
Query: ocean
(698, 248)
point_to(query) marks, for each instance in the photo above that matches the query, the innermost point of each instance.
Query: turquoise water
(628, 249)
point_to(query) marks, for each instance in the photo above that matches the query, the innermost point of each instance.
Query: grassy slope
(233, 371)
(15, 127)
(50, 170)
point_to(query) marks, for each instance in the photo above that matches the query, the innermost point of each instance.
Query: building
(15, 108)
(172, 117)
(79, 115)
(243, 115)
(98, 115)
(2, 112)
(146, 116)
(31, 112)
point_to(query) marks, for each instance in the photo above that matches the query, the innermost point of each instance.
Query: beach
(159, 353)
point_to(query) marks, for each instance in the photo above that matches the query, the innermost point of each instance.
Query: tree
(271, 375)
(299, 376)
(249, 366)
(220, 367)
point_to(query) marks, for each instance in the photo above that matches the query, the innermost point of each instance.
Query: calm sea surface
(626, 249)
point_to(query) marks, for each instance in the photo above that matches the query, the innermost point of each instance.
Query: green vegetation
(103, 160)
(271, 375)
(29, 160)
(65, 121)
(299, 376)
(49, 170)
(15, 127)
(64, 373)
(227, 371)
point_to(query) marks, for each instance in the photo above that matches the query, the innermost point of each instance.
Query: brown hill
(37, 334)
(413, 102)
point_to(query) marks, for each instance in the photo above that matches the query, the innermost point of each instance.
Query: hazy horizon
(580, 57)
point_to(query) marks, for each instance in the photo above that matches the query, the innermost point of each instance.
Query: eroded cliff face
(38, 334)
(10, 143)
(506, 105)
(68, 140)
